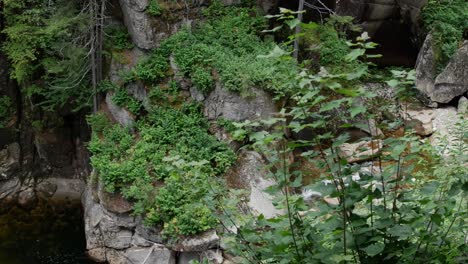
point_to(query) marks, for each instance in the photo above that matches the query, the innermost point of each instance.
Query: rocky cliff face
(42, 154)
(48, 159)
(448, 84)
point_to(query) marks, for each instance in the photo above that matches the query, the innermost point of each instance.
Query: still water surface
(51, 233)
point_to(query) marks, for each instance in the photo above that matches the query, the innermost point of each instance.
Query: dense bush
(228, 43)
(134, 164)
(448, 21)
(406, 205)
(117, 38)
(152, 68)
(45, 43)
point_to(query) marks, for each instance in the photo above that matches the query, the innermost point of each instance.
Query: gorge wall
(43, 154)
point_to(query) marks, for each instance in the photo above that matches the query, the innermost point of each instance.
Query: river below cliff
(50, 233)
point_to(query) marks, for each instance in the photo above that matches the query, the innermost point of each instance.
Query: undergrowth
(448, 22)
(146, 167)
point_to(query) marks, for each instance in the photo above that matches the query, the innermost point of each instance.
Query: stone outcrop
(360, 151)
(119, 114)
(221, 103)
(451, 82)
(249, 174)
(420, 120)
(138, 23)
(115, 236)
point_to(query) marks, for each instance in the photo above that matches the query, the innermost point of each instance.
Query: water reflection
(51, 233)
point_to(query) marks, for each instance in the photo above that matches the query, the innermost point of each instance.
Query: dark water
(51, 233)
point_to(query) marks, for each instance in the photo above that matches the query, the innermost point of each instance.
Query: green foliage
(202, 79)
(330, 42)
(154, 8)
(407, 205)
(98, 122)
(152, 68)
(165, 140)
(228, 43)
(117, 38)
(5, 110)
(47, 52)
(123, 99)
(448, 21)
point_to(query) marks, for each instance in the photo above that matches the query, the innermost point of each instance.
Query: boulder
(201, 242)
(426, 67)
(69, 189)
(152, 234)
(97, 254)
(360, 151)
(463, 106)
(453, 80)
(213, 256)
(138, 23)
(113, 202)
(114, 236)
(221, 103)
(249, 173)
(121, 115)
(420, 120)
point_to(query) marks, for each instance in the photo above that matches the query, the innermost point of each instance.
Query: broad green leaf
(374, 249)
(354, 111)
(400, 231)
(354, 54)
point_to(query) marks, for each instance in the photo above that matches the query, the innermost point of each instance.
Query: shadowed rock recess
(66, 211)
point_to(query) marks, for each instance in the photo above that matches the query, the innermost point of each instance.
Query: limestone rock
(420, 120)
(69, 189)
(360, 151)
(213, 256)
(152, 234)
(248, 173)
(453, 81)
(97, 254)
(426, 67)
(121, 115)
(138, 23)
(201, 242)
(221, 103)
(114, 236)
(463, 106)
